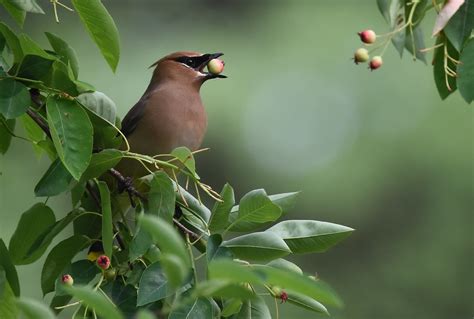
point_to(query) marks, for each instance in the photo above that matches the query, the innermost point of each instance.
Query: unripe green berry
(215, 66)
(110, 274)
(361, 55)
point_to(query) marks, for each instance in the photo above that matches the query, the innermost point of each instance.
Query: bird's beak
(205, 60)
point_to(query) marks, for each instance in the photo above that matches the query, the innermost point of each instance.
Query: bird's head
(186, 67)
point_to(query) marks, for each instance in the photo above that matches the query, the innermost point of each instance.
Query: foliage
(453, 51)
(171, 256)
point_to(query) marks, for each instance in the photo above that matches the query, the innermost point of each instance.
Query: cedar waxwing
(170, 113)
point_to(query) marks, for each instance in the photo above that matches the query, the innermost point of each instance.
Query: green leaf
(95, 300)
(8, 307)
(6, 126)
(65, 51)
(100, 104)
(61, 78)
(300, 284)
(35, 67)
(440, 77)
(306, 302)
(33, 223)
(285, 265)
(14, 98)
(174, 257)
(231, 306)
(253, 309)
(465, 71)
(33, 132)
(27, 5)
(153, 285)
(222, 289)
(286, 201)
(201, 308)
(55, 181)
(214, 249)
(384, 8)
(12, 42)
(254, 208)
(29, 46)
(101, 28)
(186, 158)
(309, 236)
(460, 26)
(101, 162)
(233, 272)
(145, 314)
(17, 14)
(140, 244)
(71, 131)
(417, 38)
(10, 271)
(82, 271)
(33, 309)
(59, 258)
(107, 231)
(123, 296)
(161, 197)
(260, 246)
(221, 210)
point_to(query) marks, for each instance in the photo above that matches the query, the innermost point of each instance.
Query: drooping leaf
(101, 28)
(33, 223)
(260, 246)
(17, 14)
(285, 265)
(460, 26)
(306, 302)
(27, 5)
(161, 197)
(10, 271)
(33, 309)
(6, 126)
(308, 236)
(65, 51)
(100, 104)
(96, 301)
(254, 208)
(465, 71)
(54, 181)
(221, 210)
(107, 229)
(14, 98)
(59, 258)
(101, 162)
(415, 38)
(186, 158)
(71, 131)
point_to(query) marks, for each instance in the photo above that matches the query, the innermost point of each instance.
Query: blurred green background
(376, 151)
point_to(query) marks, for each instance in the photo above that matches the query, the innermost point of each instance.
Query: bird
(170, 112)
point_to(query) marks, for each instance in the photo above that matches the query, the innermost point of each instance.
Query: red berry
(367, 36)
(283, 296)
(103, 262)
(67, 280)
(361, 55)
(375, 63)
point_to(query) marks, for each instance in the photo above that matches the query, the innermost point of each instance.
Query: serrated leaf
(14, 98)
(33, 223)
(101, 28)
(95, 300)
(465, 72)
(71, 131)
(309, 236)
(33, 309)
(221, 210)
(59, 258)
(260, 246)
(54, 181)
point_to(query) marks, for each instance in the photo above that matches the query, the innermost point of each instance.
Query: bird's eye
(189, 62)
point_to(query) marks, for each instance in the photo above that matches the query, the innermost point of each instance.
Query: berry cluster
(361, 55)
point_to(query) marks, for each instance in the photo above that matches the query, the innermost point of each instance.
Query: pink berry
(367, 36)
(103, 262)
(215, 66)
(67, 280)
(361, 55)
(375, 63)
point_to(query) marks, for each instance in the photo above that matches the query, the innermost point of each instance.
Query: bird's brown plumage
(170, 113)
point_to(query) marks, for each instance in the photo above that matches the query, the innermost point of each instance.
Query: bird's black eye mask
(194, 62)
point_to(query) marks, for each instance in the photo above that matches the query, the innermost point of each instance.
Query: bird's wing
(130, 121)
